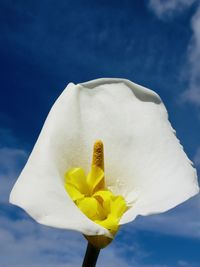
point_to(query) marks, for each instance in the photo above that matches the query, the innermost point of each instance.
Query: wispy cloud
(183, 263)
(192, 94)
(197, 158)
(169, 223)
(12, 159)
(169, 8)
(25, 243)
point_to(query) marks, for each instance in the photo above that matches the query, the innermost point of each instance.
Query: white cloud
(26, 243)
(183, 263)
(11, 161)
(168, 223)
(192, 94)
(171, 8)
(197, 158)
(11, 158)
(166, 8)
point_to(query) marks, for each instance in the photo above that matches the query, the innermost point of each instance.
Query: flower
(145, 165)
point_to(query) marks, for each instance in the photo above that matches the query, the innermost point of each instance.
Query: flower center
(92, 197)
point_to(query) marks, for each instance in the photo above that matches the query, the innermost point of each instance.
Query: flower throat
(92, 197)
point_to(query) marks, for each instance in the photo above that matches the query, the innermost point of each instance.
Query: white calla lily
(144, 161)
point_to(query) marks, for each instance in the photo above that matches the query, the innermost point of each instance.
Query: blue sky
(44, 45)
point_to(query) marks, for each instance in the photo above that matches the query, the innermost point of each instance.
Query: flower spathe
(144, 161)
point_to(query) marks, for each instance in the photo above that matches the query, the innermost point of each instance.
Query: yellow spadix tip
(98, 154)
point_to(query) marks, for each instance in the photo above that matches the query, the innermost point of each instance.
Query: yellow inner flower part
(93, 199)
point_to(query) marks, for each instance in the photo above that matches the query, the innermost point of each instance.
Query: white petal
(143, 159)
(40, 188)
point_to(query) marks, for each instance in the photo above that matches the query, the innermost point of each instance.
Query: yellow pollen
(98, 154)
(92, 197)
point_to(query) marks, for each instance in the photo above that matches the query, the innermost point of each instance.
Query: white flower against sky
(144, 163)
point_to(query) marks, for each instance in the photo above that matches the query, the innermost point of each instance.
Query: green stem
(91, 256)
